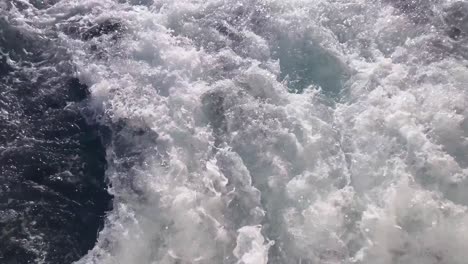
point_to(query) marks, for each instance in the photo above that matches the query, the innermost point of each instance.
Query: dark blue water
(53, 196)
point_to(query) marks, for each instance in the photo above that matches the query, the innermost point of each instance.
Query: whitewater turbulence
(272, 131)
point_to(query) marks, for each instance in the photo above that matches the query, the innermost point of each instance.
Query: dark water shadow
(53, 196)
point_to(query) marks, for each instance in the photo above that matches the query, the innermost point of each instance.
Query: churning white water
(274, 131)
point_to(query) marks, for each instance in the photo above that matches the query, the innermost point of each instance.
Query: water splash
(213, 160)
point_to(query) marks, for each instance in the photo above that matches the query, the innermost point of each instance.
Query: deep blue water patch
(53, 195)
(304, 64)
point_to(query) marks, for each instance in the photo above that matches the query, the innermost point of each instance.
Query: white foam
(241, 171)
(251, 247)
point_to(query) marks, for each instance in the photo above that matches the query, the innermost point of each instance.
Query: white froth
(240, 170)
(251, 247)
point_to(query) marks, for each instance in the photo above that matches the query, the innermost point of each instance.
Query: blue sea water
(234, 131)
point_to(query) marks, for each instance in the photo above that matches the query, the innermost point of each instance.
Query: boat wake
(270, 131)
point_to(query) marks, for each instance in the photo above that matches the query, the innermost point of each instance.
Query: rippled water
(269, 131)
